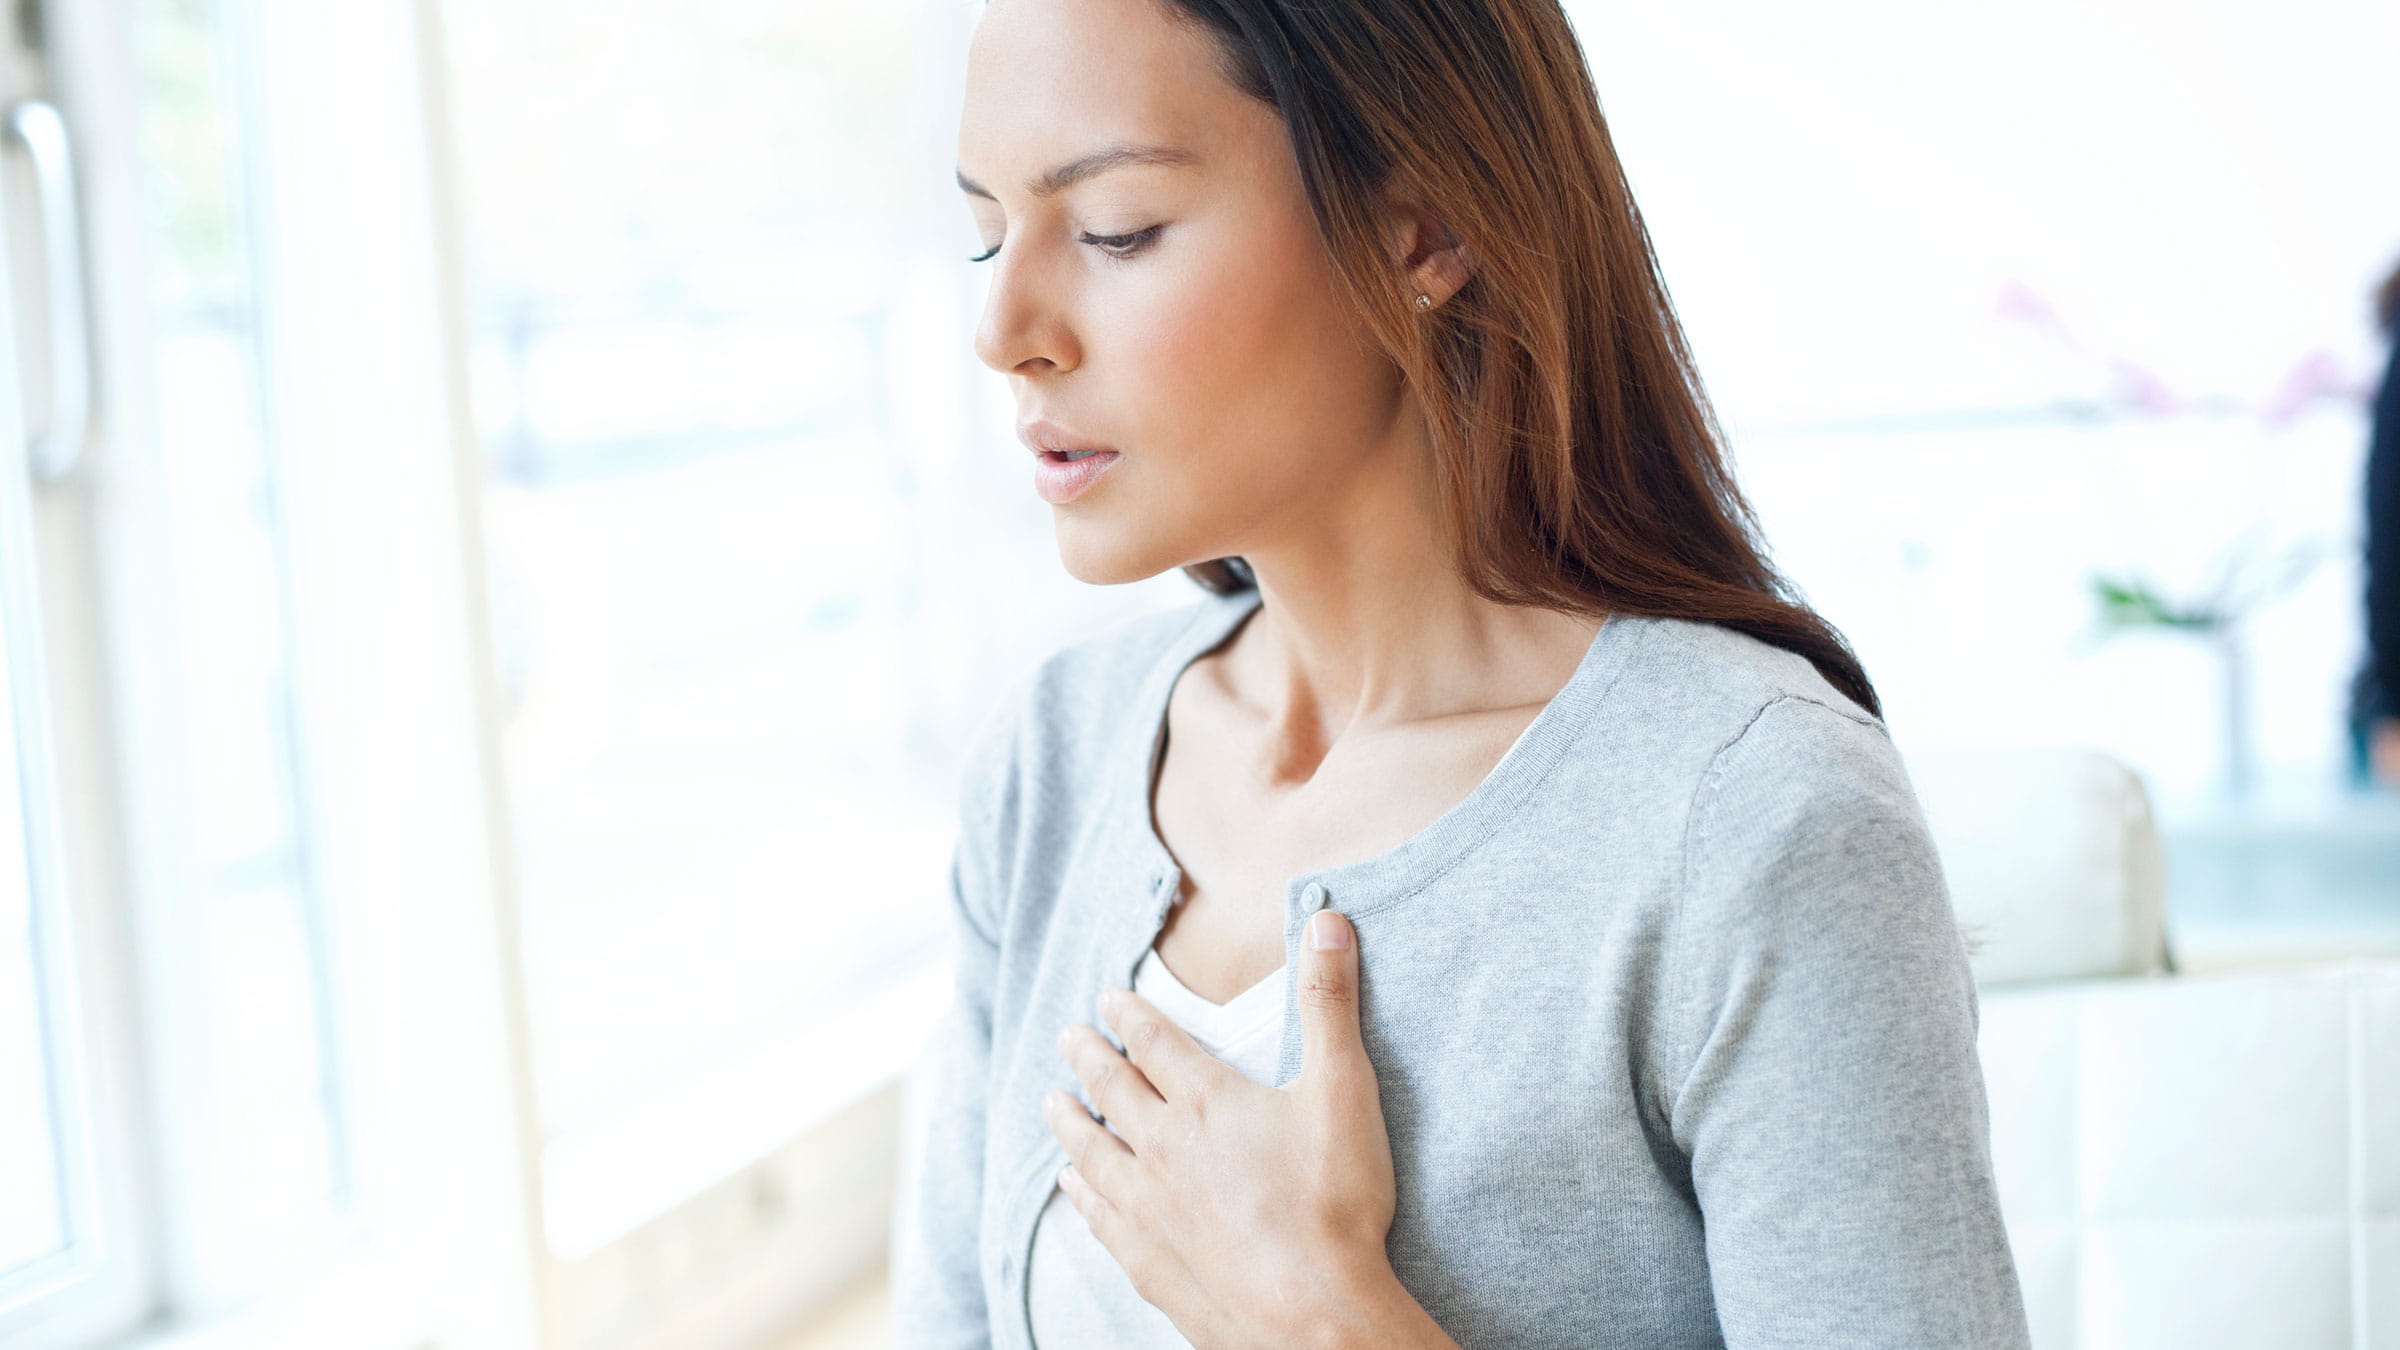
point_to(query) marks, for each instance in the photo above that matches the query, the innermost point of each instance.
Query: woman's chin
(1107, 556)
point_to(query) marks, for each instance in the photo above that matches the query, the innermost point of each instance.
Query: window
(259, 755)
(729, 719)
(244, 1009)
(1975, 347)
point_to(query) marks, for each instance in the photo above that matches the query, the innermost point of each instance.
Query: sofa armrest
(2202, 1160)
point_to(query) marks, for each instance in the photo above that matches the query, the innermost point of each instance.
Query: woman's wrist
(1364, 1306)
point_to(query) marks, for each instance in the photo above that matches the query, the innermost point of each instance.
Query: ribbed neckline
(1400, 872)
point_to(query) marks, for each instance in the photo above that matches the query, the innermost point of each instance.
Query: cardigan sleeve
(1831, 1099)
(936, 1252)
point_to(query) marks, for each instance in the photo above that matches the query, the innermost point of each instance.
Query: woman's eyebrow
(1097, 162)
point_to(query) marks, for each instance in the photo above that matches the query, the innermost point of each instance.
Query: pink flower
(2143, 389)
(2317, 375)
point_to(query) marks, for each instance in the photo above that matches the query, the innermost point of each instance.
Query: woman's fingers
(1095, 1153)
(1118, 1089)
(1168, 1059)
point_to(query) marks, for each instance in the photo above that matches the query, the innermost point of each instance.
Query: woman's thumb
(1328, 997)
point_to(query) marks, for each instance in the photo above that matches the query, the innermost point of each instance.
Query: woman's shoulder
(1115, 657)
(1071, 705)
(1739, 673)
(1784, 761)
(1715, 740)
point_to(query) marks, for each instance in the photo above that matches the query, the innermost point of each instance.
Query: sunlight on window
(266, 1089)
(700, 542)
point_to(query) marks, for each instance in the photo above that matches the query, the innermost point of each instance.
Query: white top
(1079, 1295)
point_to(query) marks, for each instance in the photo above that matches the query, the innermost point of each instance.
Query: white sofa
(2197, 1161)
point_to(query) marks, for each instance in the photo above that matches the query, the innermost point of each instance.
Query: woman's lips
(1060, 480)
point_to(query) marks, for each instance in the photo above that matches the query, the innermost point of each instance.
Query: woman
(2375, 692)
(1645, 1020)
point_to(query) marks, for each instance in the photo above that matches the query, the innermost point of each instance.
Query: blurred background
(503, 536)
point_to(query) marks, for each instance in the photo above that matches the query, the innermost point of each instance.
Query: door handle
(56, 449)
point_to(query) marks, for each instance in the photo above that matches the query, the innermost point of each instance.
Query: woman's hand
(1249, 1215)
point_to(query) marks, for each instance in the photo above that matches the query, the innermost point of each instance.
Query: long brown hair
(2387, 303)
(1581, 467)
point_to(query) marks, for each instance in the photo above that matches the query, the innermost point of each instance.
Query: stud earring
(1424, 302)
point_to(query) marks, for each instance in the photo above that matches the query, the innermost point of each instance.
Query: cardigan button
(1312, 899)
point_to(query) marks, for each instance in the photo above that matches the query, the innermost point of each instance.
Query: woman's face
(1209, 349)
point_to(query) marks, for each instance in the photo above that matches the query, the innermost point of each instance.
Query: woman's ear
(1436, 261)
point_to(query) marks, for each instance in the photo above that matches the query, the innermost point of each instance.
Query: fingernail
(1328, 931)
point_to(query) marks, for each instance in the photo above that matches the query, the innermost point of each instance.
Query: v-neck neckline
(1221, 1021)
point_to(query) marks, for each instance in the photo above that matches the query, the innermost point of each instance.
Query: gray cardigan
(1672, 1021)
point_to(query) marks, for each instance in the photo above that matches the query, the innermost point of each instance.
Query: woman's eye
(1114, 245)
(1123, 245)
